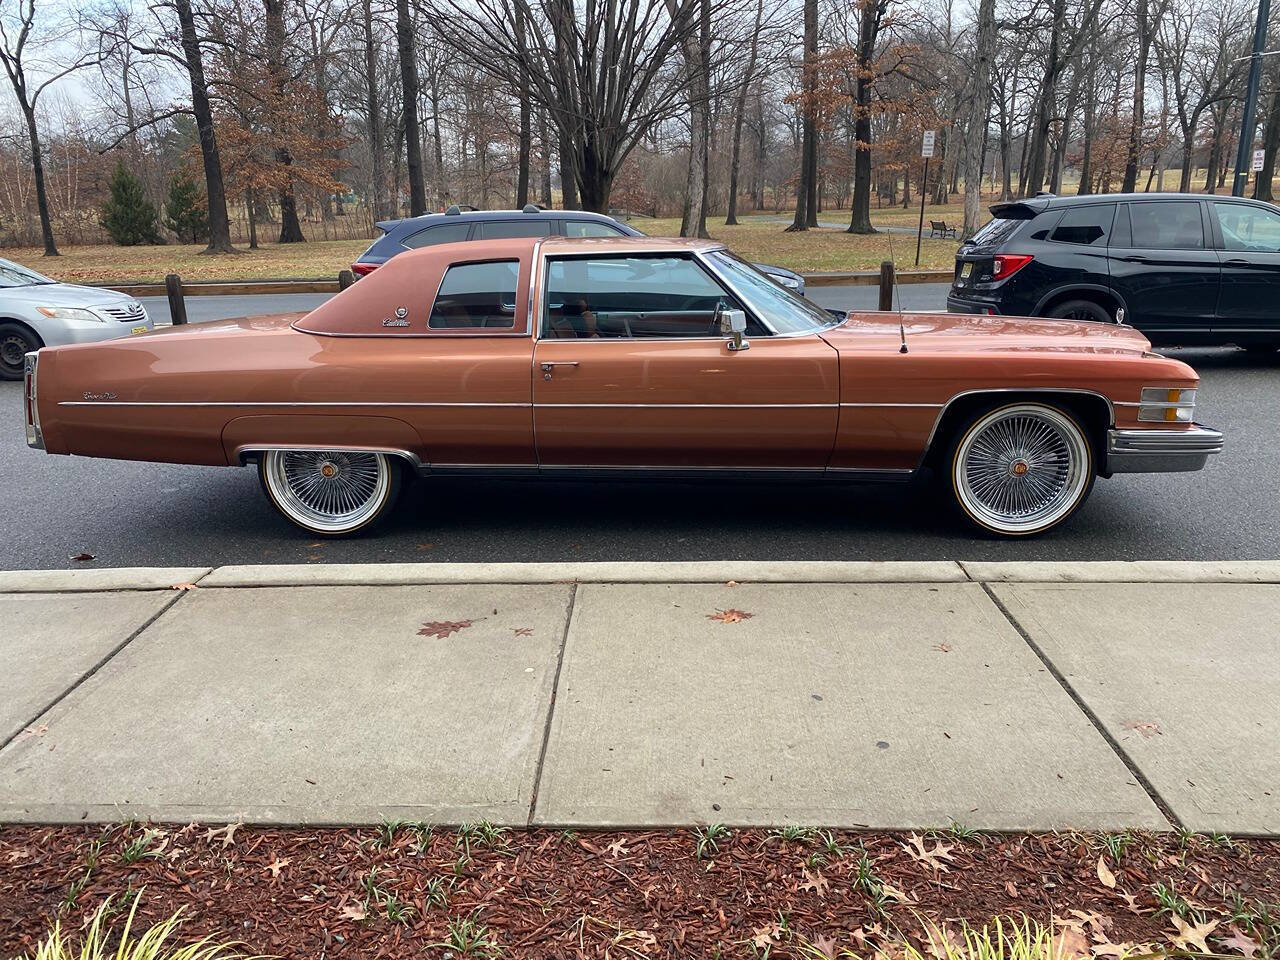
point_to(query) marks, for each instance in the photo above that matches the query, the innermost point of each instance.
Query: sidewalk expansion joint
(551, 706)
(178, 595)
(1165, 809)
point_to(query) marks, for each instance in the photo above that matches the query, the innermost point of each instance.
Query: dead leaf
(893, 893)
(228, 834)
(82, 557)
(184, 586)
(1131, 900)
(39, 731)
(276, 865)
(353, 911)
(815, 881)
(1105, 875)
(765, 937)
(1192, 936)
(616, 849)
(1071, 943)
(731, 583)
(826, 946)
(523, 631)
(729, 616)
(915, 846)
(942, 647)
(1011, 888)
(1239, 941)
(1147, 729)
(441, 629)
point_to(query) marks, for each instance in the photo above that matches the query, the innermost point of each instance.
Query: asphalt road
(130, 514)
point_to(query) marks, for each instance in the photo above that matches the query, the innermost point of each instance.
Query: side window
(639, 298)
(590, 228)
(506, 229)
(1167, 224)
(476, 295)
(1089, 225)
(441, 233)
(1248, 228)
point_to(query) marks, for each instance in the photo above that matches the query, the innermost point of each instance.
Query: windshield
(781, 309)
(12, 275)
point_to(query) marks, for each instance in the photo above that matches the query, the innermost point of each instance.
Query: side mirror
(733, 324)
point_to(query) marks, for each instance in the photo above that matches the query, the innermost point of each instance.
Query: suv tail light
(363, 269)
(31, 413)
(1005, 265)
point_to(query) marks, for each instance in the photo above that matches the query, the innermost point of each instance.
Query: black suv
(1182, 269)
(458, 223)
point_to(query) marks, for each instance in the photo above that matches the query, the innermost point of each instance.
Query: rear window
(441, 233)
(997, 231)
(476, 295)
(1089, 225)
(506, 229)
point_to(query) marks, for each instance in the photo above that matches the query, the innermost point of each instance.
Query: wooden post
(886, 285)
(177, 304)
(345, 279)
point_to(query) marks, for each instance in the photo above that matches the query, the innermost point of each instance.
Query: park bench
(939, 228)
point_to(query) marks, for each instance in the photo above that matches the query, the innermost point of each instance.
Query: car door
(1248, 236)
(1165, 269)
(629, 372)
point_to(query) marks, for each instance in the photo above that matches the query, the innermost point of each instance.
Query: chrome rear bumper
(1161, 451)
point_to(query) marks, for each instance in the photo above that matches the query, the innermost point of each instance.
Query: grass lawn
(759, 237)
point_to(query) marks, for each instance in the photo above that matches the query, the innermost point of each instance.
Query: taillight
(1005, 265)
(363, 269)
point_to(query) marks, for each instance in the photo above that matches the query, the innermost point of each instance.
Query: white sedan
(36, 312)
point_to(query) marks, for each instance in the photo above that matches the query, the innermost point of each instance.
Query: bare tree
(807, 184)
(406, 45)
(740, 109)
(979, 109)
(19, 50)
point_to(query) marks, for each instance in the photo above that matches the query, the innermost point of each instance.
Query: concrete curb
(1125, 571)
(718, 571)
(710, 571)
(102, 579)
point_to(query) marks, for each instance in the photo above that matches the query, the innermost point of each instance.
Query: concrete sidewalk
(889, 695)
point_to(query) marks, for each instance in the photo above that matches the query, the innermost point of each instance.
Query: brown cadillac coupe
(612, 357)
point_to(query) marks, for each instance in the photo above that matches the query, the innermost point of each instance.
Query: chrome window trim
(694, 255)
(271, 403)
(697, 406)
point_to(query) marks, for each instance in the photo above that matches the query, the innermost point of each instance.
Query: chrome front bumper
(1161, 451)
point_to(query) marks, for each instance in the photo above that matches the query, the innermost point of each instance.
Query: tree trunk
(809, 147)
(377, 141)
(413, 133)
(290, 228)
(253, 221)
(1270, 144)
(215, 189)
(545, 137)
(526, 132)
(979, 107)
(696, 56)
(42, 195)
(568, 178)
(868, 29)
(740, 109)
(1139, 83)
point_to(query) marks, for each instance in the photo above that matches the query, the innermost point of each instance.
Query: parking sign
(1259, 158)
(926, 149)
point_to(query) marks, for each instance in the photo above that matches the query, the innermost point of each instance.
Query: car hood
(970, 333)
(63, 295)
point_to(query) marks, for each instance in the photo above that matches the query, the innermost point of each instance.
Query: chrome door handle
(550, 365)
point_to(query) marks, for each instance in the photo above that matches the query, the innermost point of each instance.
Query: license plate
(966, 271)
(133, 330)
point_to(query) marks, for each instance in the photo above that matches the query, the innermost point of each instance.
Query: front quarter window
(783, 310)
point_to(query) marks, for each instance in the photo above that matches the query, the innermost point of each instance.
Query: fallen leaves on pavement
(442, 629)
(730, 616)
(82, 557)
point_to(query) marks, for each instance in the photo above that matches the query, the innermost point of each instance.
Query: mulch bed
(401, 892)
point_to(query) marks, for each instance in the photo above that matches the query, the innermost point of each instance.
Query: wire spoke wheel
(1022, 468)
(328, 491)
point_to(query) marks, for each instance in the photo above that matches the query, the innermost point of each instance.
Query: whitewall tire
(331, 493)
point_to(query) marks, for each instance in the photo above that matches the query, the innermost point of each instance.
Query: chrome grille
(131, 312)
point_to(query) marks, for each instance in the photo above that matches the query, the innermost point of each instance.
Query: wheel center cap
(1019, 468)
(328, 471)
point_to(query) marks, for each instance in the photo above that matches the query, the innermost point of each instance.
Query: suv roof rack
(457, 209)
(531, 208)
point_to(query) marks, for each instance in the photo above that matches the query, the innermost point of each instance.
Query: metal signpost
(926, 151)
(1251, 98)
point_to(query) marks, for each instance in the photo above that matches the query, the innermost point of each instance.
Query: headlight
(1167, 405)
(71, 313)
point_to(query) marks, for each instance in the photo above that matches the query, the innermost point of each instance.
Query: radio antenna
(902, 332)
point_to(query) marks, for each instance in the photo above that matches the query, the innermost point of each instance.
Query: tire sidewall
(1098, 311)
(8, 329)
(395, 467)
(956, 443)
